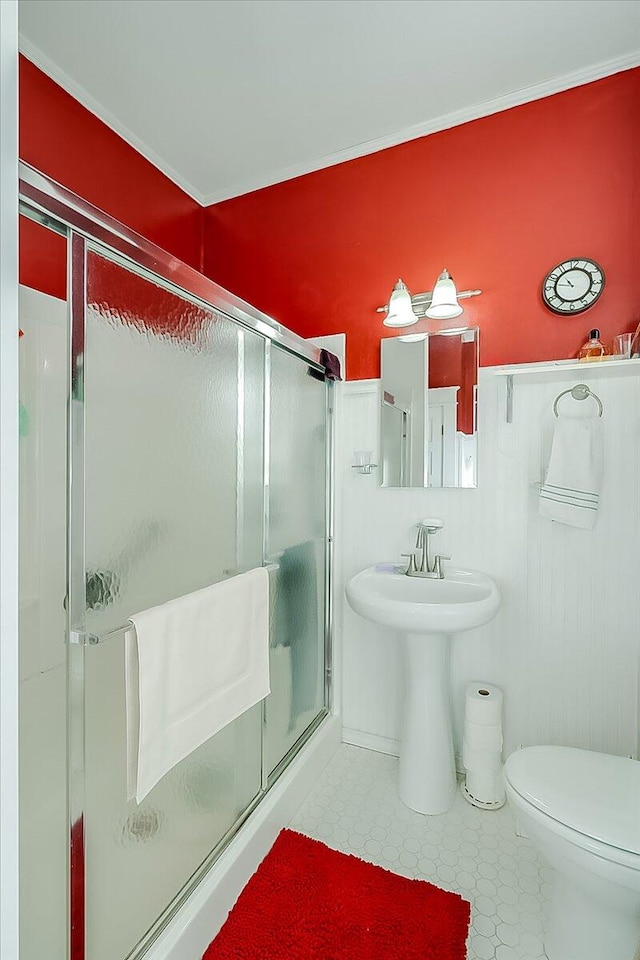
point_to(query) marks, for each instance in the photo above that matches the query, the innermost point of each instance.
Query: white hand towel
(202, 660)
(571, 490)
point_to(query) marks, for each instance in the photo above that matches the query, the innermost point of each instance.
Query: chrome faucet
(426, 568)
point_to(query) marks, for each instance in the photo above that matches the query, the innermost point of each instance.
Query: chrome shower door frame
(87, 228)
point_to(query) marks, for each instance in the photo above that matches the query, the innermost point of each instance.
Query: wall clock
(573, 286)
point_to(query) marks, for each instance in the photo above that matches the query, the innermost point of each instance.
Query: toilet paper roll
(483, 704)
(483, 736)
(486, 787)
(475, 759)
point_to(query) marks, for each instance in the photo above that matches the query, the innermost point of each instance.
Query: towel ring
(580, 392)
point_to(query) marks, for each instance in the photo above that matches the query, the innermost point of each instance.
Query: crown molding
(33, 53)
(444, 122)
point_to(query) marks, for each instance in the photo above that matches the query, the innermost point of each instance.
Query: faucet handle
(412, 562)
(437, 565)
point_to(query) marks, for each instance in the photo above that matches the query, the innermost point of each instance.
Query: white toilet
(582, 810)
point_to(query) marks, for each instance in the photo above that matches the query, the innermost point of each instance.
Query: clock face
(573, 286)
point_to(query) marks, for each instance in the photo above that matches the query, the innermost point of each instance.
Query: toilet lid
(594, 793)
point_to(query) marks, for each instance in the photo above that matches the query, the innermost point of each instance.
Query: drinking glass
(622, 346)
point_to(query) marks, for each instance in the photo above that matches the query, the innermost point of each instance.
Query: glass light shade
(400, 312)
(444, 300)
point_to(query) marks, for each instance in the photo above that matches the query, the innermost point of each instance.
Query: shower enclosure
(197, 447)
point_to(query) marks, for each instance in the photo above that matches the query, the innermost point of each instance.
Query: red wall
(42, 259)
(64, 140)
(498, 201)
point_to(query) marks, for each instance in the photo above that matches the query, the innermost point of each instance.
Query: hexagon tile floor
(355, 808)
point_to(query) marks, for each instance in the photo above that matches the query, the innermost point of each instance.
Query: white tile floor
(355, 808)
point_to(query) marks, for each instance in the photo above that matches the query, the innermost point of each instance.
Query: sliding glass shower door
(197, 447)
(198, 450)
(296, 544)
(168, 397)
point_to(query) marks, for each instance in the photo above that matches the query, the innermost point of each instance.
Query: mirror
(428, 435)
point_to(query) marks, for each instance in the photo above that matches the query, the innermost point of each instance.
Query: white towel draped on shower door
(571, 490)
(192, 666)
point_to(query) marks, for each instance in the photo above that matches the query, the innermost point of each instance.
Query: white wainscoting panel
(564, 647)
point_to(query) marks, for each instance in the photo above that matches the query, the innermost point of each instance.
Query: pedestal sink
(428, 612)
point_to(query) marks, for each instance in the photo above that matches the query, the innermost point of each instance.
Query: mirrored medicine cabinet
(428, 411)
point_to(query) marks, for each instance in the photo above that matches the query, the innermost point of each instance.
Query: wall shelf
(542, 371)
(563, 366)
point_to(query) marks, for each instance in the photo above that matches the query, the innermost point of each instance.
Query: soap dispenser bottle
(593, 349)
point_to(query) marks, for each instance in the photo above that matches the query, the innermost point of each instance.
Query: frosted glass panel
(173, 404)
(296, 544)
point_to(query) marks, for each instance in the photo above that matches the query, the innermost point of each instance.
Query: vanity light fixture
(441, 303)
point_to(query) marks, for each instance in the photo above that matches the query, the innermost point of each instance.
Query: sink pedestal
(427, 765)
(428, 612)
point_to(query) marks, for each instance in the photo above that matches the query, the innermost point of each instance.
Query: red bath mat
(307, 902)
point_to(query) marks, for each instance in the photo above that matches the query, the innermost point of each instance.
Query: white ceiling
(226, 96)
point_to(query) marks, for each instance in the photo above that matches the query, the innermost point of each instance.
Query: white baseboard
(371, 741)
(199, 920)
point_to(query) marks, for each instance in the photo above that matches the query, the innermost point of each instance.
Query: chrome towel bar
(80, 637)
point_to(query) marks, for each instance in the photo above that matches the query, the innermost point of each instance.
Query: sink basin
(427, 612)
(464, 599)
